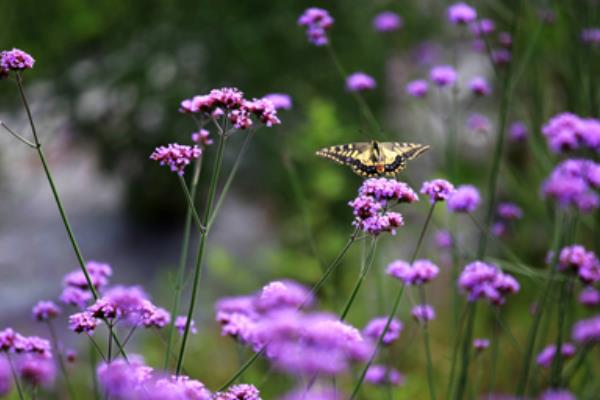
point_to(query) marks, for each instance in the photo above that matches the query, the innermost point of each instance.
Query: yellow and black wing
(359, 156)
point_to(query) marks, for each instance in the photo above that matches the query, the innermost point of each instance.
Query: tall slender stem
(392, 313)
(191, 206)
(61, 360)
(179, 279)
(199, 256)
(15, 377)
(364, 270)
(466, 351)
(430, 380)
(556, 368)
(495, 347)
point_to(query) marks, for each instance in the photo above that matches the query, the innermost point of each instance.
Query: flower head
(571, 183)
(518, 131)
(387, 21)
(36, 371)
(423, 312)
(176, 156)
(82, 322)
(443, 75)
(591, 36)
(465, 199)
(443, 239)
(15, 60)
(359, 81)
(480, 87)
(481, 344)
(589, 297)
(5, 377)
(509, 211)
(437, 190)
(419, 273)
(281, 101)
(417, 88)
(45, 310)
(585, 264)
(479, 123)
(461, 14)
(239, 392)
(202, 137)
(587, 330)
(181, 322)
(376, 326)
(501, 56)
(381, 375)
(317, 22)
(482, 27)
(544, 359)
(283, 294)
(480, 280)
(557, 394)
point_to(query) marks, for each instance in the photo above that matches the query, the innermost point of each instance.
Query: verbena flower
(176, 156)
(180, 323)
(75, 296)
(509, 211)
(518, 131)
(417, 88)
(479, 123)
(14, 342)
(587, 330)
(5, 377)
(481, 280)
(557, 394)
(45, 310)
(482, 27)
(443, 75)
(501, 56)
(378, 374)
(375, 328)
(572, 183)
(419, 273)
(437, 190)
(36, 371)
(481, 344)
(591, 36)
(83, 322)
(359, 81)
(283, 294)
(423, 312)
(387, 21)
(505, 39)
(318, 22)
(443, 239)
(465, 199)
(237, 316)
(239, 392)
(15, 60)
(281, 101)
(202, 137)
(480, 87)
(461, 14)
(71, 356)
(566, 131)
(583, 263)
(589, 297)
(544, 359)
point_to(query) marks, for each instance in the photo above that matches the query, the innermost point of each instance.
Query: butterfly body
(374, 158)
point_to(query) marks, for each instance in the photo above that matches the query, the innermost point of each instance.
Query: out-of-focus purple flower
(176, 156)
(239, 392)
(45, 310)
(388, 191)
(237, 316)
(480, 87)
(283, 294)
(591, 36)
(5, 376)
(99, 273)
(180, 323)
(501, 56)
(465, 199)
(317, 22)
(423, 312)
(461, 14)
(419, 273)
(478, 45)
(480, 280)
(7, 339)
(387, 21)
(589, 297)
(281, 101)
(124, 380)
(15, 60)
(499, 228)
(479, 123)
(36, 371)
(359, 81)
(443, 75)
(583, 263)
(587, 330)
(437, 190)
(313, 393)
(544, 359)
(82, 322)
(518, 131)
(378, 374)
(509, 211)
(557, 394)
(202, 137)
(481, 344)
(571, 183)
(417, 88)
(75, 296)
(375, 328)
(71, 356)
(482, 27)
(443, 239)
(563, 132)
(104, 309)
(505, 39)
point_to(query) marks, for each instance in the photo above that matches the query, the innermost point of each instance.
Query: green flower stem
(93, 361)
(191, 206)
(570, 372)
(110, 337)
(454, 358)
(495, 347)
(201, 246)
(330, 269)
(392, 313)
(364, 270)
(15, 377)
(179, 279)
(466, 351)
(61, 360)
(63, 214)
(533, 331)
(98, 349)
(430, 380)
(566, 292)
(16, 135)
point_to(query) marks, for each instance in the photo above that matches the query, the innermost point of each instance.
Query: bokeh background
(105, 91)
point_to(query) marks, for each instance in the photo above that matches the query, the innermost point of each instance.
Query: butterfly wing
(355, 155)
(394, 155)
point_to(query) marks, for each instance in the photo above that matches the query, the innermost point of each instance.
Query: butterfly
(374, 158)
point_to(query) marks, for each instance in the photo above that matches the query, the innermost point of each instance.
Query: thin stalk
(364, 270)
(179, 283)
(394, 307)
(557, 361)
(19, 137)
(199, 256)
(61, 360)
(454, 358)
(98, 349)
(430, 380)
(93, 360)
(110, 341)
(15, 377)
(576, 364)
(495, 346)
(466, 351)
(191, 206)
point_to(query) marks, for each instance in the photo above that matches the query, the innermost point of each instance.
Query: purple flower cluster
(423, 312)
(461, 14)
(35, 370)
(230, 103)
(544, 359)
(176, 156)
(371, 208)
(566, 131)
(480, 87)
(591, 36)
(378, 374)
(76, 291)
(5, 377)
(587, 330)
(465, 199)
(375, 328)
(572, 183)
(317, 22)
(479, 124)
(238, 392)
(581, 262)
(557, 394)
(281, 101)
(419, 273)
(387, 21)
(481, 280)
(506, 214)
(437, 190)
(45, 310)
(202, 137)
(589, 297)
(482, 27)
(417, 88)
(14, 60)
(359, 82)
(481, 344)
(14, 342)
(181, 322)
(134, 380)
(518, 131)
(443, 75)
